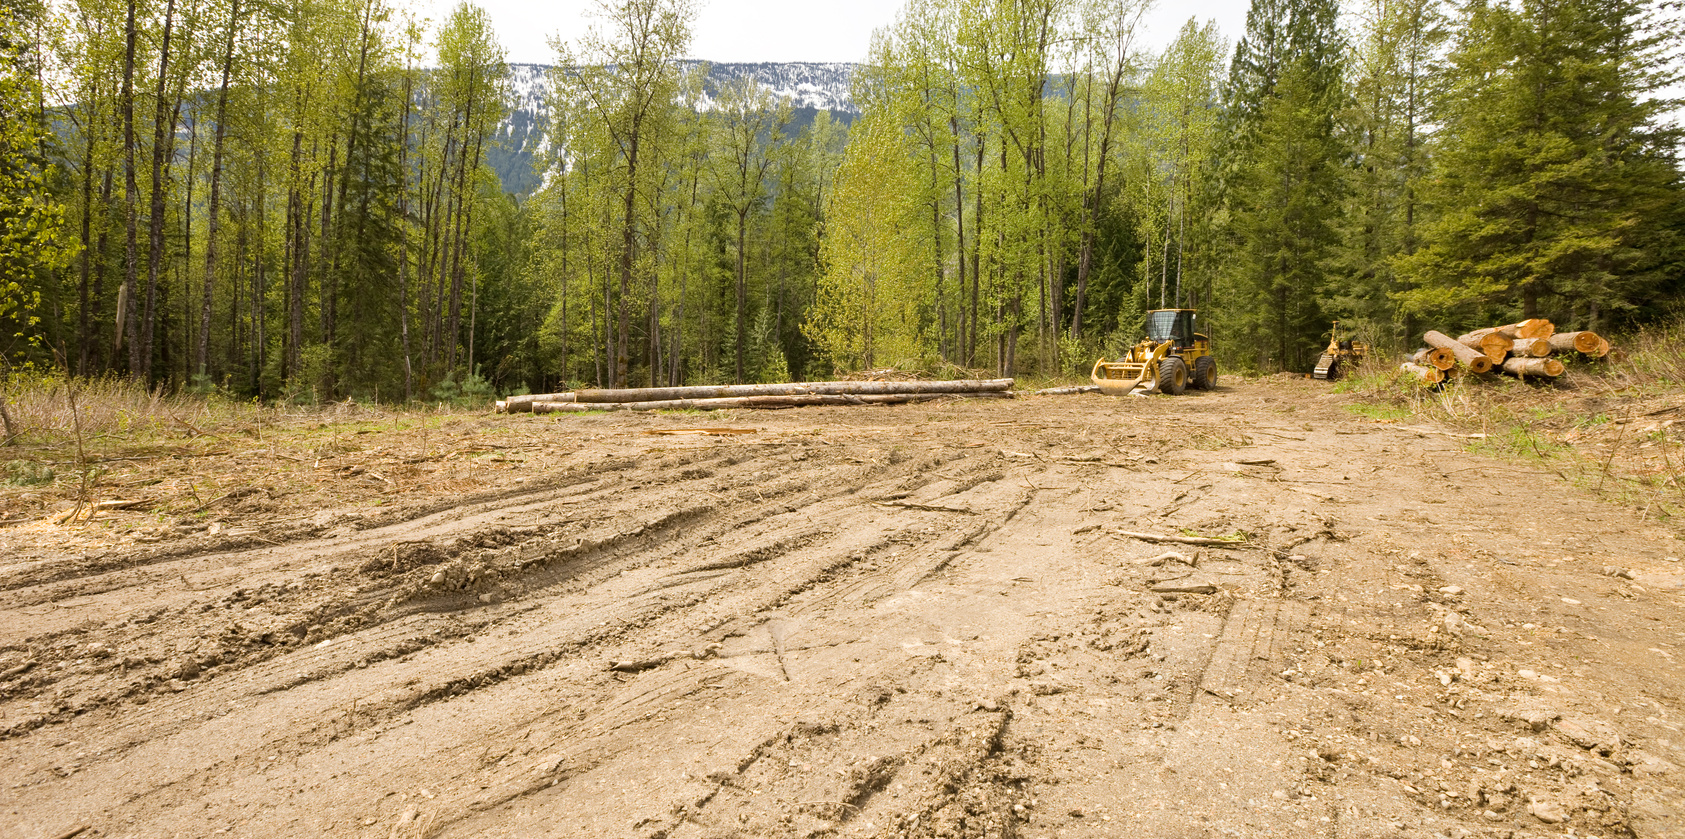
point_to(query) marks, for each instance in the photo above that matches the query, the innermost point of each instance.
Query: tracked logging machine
(1168, 359)
(1339, 355)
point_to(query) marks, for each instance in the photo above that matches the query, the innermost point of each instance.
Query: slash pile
(790, 395)
(1517, 349)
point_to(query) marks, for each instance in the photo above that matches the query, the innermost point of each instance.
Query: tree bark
(201, 357)
(1589, 343)
(125, 326)
(519, 404)
(1492, 344)
(1475, 360)
(163, 145)
(1524, 367)
(766, 402)
(1427, 375)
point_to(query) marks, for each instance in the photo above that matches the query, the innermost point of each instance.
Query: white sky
(783, 30)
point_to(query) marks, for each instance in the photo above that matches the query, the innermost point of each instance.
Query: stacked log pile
(1524, 349)
(716, 397)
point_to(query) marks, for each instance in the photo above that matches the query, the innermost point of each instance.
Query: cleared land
(919, 621)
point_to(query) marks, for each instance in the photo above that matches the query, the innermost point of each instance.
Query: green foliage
(1555, 191)
(1393, 77)
(1285, 183)
(32, 238)
(1023, 185)
(868, 309)
(472, 392)
(26, 473)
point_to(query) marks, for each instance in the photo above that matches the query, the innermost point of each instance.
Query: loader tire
(1205, 373)
(1172, 376)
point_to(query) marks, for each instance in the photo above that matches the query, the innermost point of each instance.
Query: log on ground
(570, 407)
(1425, 374)
(1530, 328)
(523, 404)
(1493, 345)
(1435, 357)
(1586, 342)
(1531, 347)
(764, 402)
(1524, 367)
(1476, 361)
(667, 394)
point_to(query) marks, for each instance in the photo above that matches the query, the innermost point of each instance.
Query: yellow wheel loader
(1340, 354)
(1171, 357)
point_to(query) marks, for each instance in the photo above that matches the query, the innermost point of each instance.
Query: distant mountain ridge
(811, 87)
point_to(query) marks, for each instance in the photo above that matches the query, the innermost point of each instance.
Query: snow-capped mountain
(820, 87)
(810, 87)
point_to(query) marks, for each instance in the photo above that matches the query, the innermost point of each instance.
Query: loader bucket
(1120, 378)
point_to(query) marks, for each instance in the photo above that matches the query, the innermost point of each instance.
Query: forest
(296, 201)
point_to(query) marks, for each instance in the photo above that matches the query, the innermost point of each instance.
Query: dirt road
(915, 621)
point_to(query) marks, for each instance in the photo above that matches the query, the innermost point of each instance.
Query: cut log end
(1535, 328)
(1585, 342)
(1541, 367)
(1474, 360)
(1427, 375)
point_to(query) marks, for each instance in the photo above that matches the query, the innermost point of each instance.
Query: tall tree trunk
(628, 244)
(742, 288)
(163, 136)
(84, 343)
(1091, 204)
(962, 331)
(126, 320)
(404, 235)
(458, 242)
(213, 218)
(976, 257)
(296, 246)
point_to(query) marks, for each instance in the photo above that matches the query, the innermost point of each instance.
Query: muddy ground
(914, 621)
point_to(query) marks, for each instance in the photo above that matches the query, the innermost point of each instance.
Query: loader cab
(1171, 324)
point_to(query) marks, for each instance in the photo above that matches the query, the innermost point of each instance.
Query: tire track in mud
(295, 674)
(879, 638)
(300, 618)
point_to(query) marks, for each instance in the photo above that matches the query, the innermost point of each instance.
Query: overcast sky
(784, 30)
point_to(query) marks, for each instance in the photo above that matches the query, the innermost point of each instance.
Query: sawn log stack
(1519, 349)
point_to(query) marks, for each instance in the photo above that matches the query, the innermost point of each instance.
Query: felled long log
(519, 404)
(1493, 345)
(1435, 357)
(570, 407)
(1427, 375)
(665, 394)
(1476, 361)
(1531, 347)
(1530, 328)
(1524, 367)
(1588, 343)
(523, 404)
(763, 402)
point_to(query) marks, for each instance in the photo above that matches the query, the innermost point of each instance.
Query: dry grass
(1615, 427)
(113, 408)
(185, 457)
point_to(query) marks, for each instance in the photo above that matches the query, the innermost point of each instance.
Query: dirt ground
(913, 621)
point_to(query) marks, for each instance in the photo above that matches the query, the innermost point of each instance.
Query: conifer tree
(1394, 67)
(1555, 187)
(1283, 181)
